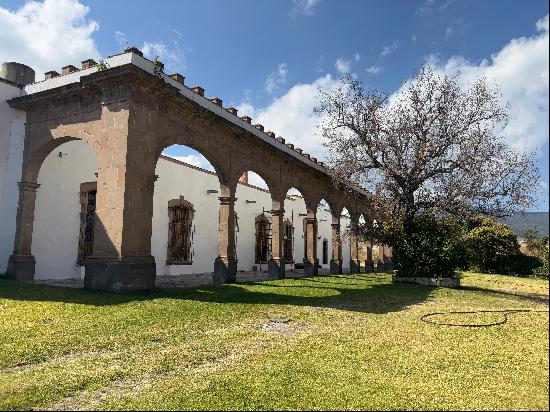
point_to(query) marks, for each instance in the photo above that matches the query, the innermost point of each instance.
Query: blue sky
(268, 58)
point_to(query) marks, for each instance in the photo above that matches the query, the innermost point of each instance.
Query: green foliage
(538, 248)
(102, 65)
(159, 66)
(434, 249)
(493, 248)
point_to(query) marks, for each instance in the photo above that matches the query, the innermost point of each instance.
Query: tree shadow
(535, 298)
(371, 295)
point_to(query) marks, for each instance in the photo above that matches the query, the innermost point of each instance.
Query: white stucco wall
(57, 215)
(12, 132)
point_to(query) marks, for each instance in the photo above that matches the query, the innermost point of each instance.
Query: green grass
(352, 342)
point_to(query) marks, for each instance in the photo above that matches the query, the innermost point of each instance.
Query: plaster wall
(57, 216)
(12, 132)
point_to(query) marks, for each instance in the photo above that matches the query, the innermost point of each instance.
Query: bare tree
(431, 146)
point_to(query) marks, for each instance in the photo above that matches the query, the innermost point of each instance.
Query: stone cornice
(158, 84)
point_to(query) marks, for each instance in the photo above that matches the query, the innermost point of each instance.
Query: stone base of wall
(311, 268)
(21, 268)
(335, 267)
(225, 272)
(120, 275)
(425, 281)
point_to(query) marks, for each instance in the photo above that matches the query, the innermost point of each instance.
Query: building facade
(86, 191)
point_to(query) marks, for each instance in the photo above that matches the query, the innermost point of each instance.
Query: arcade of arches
(128, 116)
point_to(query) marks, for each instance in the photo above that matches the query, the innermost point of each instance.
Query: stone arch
(271, 182)
(215, 159)
(34, 159)
(311, 199)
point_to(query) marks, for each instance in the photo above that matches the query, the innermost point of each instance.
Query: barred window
(88, 192)
(288, 241)
(263, 239)
(180, 232)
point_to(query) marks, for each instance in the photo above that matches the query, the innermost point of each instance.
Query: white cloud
(292, 116)
(47, 35)
(521, 70)
(373, 69)
(303, 7)
(344, 66)
(276, 79)
(173, 57)
(122, 40)
(389, 49)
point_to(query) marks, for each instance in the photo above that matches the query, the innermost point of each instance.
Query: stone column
(276, 265)
(380, 264)
(225, 265)
(336, 261)
(21, 264)
(121, 260)
(354, 266)
(310, 260)
(369, 263)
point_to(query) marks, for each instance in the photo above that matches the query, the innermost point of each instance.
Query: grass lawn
(351, 342)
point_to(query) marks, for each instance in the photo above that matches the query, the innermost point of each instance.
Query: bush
(435, 249)
(538, 248)
(492, 247)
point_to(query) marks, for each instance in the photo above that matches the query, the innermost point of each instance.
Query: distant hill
(537, 221)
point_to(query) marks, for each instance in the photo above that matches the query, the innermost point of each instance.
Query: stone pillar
(369, 263)
(225, 265)
(354, 266)
(380, 264)
(310, 260)
(276, 265)
(21, 264)
(121, 260)
(336, 261)
(388, 254)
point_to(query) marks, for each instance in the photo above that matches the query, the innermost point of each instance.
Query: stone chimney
(198, 90)
(68, 69)
(50, 75)
(177, 77)
(244, 178)
(88, 64)
(217, 101)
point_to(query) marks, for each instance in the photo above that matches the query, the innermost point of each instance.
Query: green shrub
(492, 247)
(434, 249)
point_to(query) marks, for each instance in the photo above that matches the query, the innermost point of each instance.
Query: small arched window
(263, 239)
(180, 232)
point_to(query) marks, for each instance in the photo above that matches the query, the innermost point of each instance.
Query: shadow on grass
(358, 293)
(527, 296)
